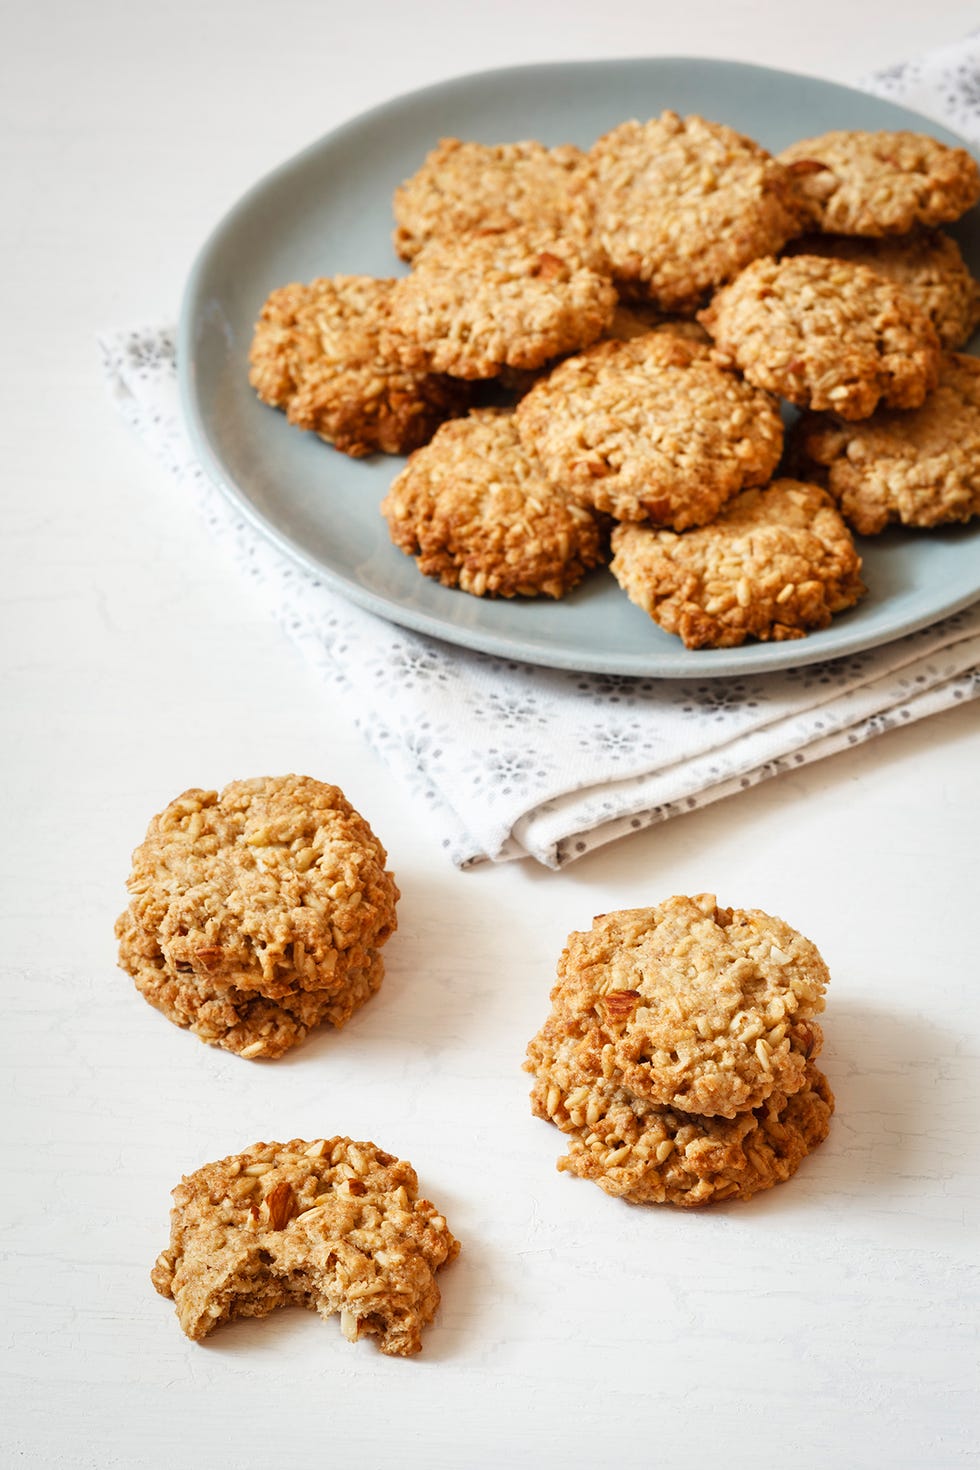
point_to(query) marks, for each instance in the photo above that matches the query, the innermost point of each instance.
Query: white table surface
(827, 1324)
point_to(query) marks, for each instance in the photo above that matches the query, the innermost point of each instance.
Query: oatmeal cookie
(918, 469)
(475, 509)
(474, 306)
(647, 1154)
(775, 564)
(927, 266)
(885, 183)
(651, 429)
(332, 1225)
(826, 334)
(241, 1021)
(316, 353)
(277, 885)
(465, 187)
(682, 205)
(689, 1005)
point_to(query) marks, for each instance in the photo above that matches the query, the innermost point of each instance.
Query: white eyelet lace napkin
(513, 761)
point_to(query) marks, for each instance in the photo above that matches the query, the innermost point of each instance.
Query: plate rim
(749, 658)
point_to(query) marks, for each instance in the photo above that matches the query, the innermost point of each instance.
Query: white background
(827, 1324)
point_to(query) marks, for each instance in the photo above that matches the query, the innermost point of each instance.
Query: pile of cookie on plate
(588, 355)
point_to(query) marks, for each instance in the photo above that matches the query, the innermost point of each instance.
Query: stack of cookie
(259, 913)
(877, 200)
(678, 1055)
(819, 277)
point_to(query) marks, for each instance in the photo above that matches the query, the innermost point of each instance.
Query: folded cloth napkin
(515, 761)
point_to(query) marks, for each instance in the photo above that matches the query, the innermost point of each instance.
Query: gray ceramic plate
(329, 211)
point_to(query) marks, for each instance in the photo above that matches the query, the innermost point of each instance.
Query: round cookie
(682, 205)
(334, 1225)
(647, 1154)
(651, 429)
(475, 509)
(464, 187)
(316, 353)
(775, 564)
(692, 1006)
(276, 885)
(918, 469)
(826, 334)
(241, 1021)
(885, 183)
(474, 306)
(927, 266)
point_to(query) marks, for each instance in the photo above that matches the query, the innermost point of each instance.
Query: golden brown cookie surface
(918, 469)
(475, 509)
(476, 305)
(683, 204)
(882, 183)
(651, 429)
(928, 267)
(465, 187)
(826, 334)
(775, 564)
(316, 354)
(332, 1225)
(691, 1006)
